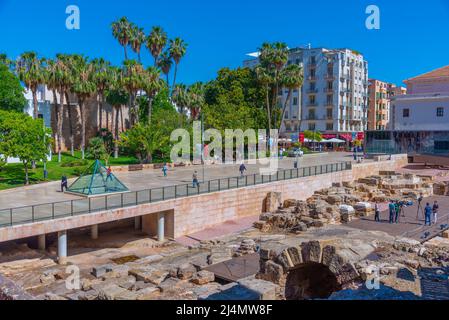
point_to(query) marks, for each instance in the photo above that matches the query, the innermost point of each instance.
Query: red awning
(360, 136)
(346, 136)
(329, 136)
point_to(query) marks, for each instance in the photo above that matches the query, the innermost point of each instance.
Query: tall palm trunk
(35, 105)
(59, 124)
(117, 111)
(174, 76)
(126, 53)
(288, 99)
(69, 113)
(267, 96)
(100, 111)
(83, 126)
(150, 109)
(121, 119)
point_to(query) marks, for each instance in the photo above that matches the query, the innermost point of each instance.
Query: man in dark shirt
(428, 213)
(63, 183)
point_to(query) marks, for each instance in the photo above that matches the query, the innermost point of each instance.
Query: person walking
(63, 183)
(377, 212)
(355, 153)
(165, 169)
(195, 183)
(242, 169)
(392, 209)
(435, 211)
(427, 214)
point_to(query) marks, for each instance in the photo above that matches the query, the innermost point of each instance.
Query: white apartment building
(334, 96)
(44, 101)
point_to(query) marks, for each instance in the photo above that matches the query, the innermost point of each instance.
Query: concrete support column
(160, 227)
(138, 223)
(41, 242)
(94, 232)
(62, 247)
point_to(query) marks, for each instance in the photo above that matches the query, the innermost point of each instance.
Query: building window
(312, 100)
(311, 126)
(329, 126)
(286, 115)
(406, 113)
(295, 101)
(329, 113)
(329, 99)
(440, 112)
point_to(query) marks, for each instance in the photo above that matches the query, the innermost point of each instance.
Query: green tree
(177, 51)
(23, 137)
(291, 79)
(101, 76)
(97, 149)
(122, 31)
(145, 140)
(235, 100)
(83, 87)
(116, 97)
(132, 81)
(151, 84)
(313, 135)
(165, 64)
(11, 91)
(156, 42)
(29, 68)
(138, 38)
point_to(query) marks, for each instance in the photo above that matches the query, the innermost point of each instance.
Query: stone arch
(300, 270)
(310, 280)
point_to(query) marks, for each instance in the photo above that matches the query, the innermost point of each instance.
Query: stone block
(265, 290)
(203, 277)
(147, 293)
(311, 251)
(186, 271)
(100, 271)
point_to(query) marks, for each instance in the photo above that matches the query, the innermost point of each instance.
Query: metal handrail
(27, 214)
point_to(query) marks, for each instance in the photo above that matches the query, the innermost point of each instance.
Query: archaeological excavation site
(311, 237)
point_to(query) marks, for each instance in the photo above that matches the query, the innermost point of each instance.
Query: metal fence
(55, 210)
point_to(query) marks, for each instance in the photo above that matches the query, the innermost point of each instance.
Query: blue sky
(414, 35)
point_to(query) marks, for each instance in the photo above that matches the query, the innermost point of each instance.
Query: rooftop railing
(68, 208)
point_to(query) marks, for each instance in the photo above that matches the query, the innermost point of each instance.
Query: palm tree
(265, 79)
(116, 97)
(151, 84)
(165, 63)
(138, 38)
(30, 70)
(66, 64)
(195, 94)
(132, 75)
(83, 87)
(63, 80)
(102, 79)
(156, 42)
(177, 51)
(51, 80)
(180, 97)
(291, 79)
(122, 30)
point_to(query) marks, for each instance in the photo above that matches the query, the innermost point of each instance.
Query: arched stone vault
(278, 261)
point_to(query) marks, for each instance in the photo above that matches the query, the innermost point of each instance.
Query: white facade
(334, 95)
(421, 113)
(44, 100)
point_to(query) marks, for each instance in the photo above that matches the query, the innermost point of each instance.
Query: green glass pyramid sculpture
(97, 180)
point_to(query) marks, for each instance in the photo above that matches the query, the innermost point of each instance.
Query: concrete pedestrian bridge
(177, 210)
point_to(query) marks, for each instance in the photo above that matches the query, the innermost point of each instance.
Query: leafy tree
(177, 51)
(313, 135)
(234, 100)
(11, 92)
(97, 149)
(122, 31)
(138, 38)
(146, 141)
(30, 70)
(156, 42)
(116, 97)
(23, 137)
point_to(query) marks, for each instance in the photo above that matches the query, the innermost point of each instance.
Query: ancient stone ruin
(342, 202)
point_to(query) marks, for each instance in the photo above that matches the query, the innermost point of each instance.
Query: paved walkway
(147, 179)
(409, 226)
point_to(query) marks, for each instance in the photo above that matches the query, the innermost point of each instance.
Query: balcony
(329, 104)
(311, 91)
(328, 90)
(312, 104)
(330, 77)
(312, 78)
